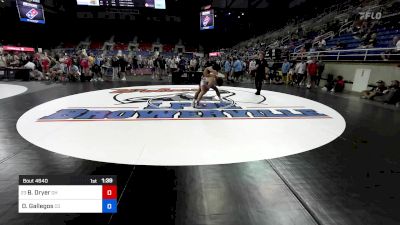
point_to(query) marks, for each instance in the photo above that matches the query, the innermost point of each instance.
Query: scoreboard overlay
(67, 194)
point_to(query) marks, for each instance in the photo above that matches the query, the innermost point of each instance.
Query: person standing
(123, 63)
(252, 68)
(3, 61)
(192, 69)
(150, 64)
(162, 65)
(85, 68)
(243, 73)
(261, 64)
(237, 68)
(227, 68)
(135, 65)
(285, 70)
(321, 68)
(115, 65)
(312, 69)
(300, 71)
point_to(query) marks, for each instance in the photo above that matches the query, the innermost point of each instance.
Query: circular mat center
(157, 125)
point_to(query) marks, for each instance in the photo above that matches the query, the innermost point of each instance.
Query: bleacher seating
(384, 38)
(168, 48)
(96, 45)
(121, 46)
(145, 46)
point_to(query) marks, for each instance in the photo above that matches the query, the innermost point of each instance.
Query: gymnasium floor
(354, 179)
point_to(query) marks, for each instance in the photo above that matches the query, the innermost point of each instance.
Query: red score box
(109, 191)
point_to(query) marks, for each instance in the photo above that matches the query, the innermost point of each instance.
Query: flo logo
(372, 15)
(32, 13)
(176, 104)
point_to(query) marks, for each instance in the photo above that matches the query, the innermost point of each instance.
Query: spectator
(115, 66)
(182, 65)
(3, 60)
(321, 44)
(30, 65)
(15, 61)
(278, 80)
(173, 65)
(340, 45)
(376, 91)
(163, 67)
(193, 64)
(338, 84)
(329, 83)
(73, 73)
(370, 42)
(228, 68)
(123, 63)
(237, 68)
(150, 64)
(392, 53)
(129, 67)
(33, 73)
(56, 72)
(85, 68)
(291, 76)
(321, 68)
(244, 69)
(252, 68)
(312, 70)
(300, 71)
(68, 62)
(91, 59)
(391, 95)
(96, 71)
(285, 70)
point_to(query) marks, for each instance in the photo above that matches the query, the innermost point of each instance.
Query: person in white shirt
(300, 70)
(33, 73)
(388, 54)
(193, 64)
(321, 44)
(3, 61)
(150, 64)
(173, 65)
(30, 65)
(252, 68)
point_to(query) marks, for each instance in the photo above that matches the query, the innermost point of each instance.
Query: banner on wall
(18, 49)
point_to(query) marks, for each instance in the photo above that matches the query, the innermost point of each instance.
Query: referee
(261, 64)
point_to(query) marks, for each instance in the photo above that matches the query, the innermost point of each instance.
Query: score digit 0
(109, 191)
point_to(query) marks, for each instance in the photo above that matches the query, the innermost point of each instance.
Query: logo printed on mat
(157, 125)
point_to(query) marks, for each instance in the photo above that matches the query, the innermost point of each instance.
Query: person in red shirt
(339, 84)
(45, 64)
(312, 69)
(85, 69)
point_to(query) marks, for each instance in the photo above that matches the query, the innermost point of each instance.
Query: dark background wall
(62, 23)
